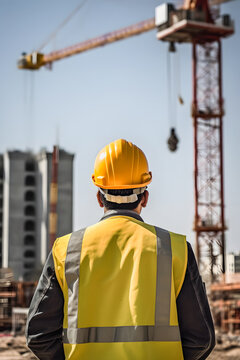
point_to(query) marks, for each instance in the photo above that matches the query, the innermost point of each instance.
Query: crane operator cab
(31, 61)
(192, 21)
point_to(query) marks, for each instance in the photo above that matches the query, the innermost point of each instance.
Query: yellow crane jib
(36, 60)
(31, 61)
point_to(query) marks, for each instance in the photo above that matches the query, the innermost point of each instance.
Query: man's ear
(99, 199)
(144, 200)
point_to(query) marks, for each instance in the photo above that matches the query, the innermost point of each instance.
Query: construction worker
(120, 289)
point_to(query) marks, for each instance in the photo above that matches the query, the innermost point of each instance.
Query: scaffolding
(225, 303)
(13, 294)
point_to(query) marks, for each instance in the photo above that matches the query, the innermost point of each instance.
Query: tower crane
(192, 23)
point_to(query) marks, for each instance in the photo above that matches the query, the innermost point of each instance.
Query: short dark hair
(124, 206)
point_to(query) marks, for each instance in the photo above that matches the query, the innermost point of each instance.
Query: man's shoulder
(63, 238)
(172, 234)
(60, 245)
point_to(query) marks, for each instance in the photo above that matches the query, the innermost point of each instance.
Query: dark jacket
(45, 318)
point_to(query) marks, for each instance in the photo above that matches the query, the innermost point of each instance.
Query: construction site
(44, 194)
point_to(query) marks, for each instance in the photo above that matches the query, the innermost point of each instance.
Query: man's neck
(137, 210)
(118, 212)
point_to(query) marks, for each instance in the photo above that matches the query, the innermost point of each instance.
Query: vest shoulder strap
(179, 259)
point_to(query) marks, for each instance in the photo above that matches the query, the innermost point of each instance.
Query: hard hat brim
(116, 187)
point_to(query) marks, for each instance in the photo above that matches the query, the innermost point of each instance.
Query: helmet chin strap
(122, 199)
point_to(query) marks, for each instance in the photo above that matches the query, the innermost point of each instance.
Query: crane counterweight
(183, 25)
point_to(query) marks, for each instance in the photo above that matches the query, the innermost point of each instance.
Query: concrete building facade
(233, 263)
(25, 194)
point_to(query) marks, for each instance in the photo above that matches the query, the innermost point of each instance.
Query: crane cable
(169, 87)
(178, 78)
(173, 87)
(63, 23)
(172, 81)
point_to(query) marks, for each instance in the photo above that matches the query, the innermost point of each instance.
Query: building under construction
(25, 205)
(36, 204)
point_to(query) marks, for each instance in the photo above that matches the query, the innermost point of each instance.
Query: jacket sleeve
(195, 320)
(45, 316)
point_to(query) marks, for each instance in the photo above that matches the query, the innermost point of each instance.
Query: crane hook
(173, 140)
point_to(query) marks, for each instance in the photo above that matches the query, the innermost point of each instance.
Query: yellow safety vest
(120, 279)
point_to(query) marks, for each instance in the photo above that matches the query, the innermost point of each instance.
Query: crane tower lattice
(207, 113)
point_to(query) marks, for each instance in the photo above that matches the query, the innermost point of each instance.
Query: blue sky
(115, 91)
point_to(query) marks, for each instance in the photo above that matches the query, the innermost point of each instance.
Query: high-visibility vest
(120, 279)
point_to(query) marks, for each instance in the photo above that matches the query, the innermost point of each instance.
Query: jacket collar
(129, 213)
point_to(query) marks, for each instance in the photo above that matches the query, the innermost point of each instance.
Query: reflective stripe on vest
(72, 273)
(162, 331)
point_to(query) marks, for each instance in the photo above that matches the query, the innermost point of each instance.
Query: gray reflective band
(121, 334)
(162, 331)
(164, 277)
(72, 269)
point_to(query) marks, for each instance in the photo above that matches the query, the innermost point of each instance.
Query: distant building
(24, 208)
(233, 263)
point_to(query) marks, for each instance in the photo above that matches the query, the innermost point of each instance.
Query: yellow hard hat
(121, 165)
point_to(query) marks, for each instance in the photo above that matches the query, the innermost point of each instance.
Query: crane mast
(53, 197)
(207, 113)
(197, 27)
